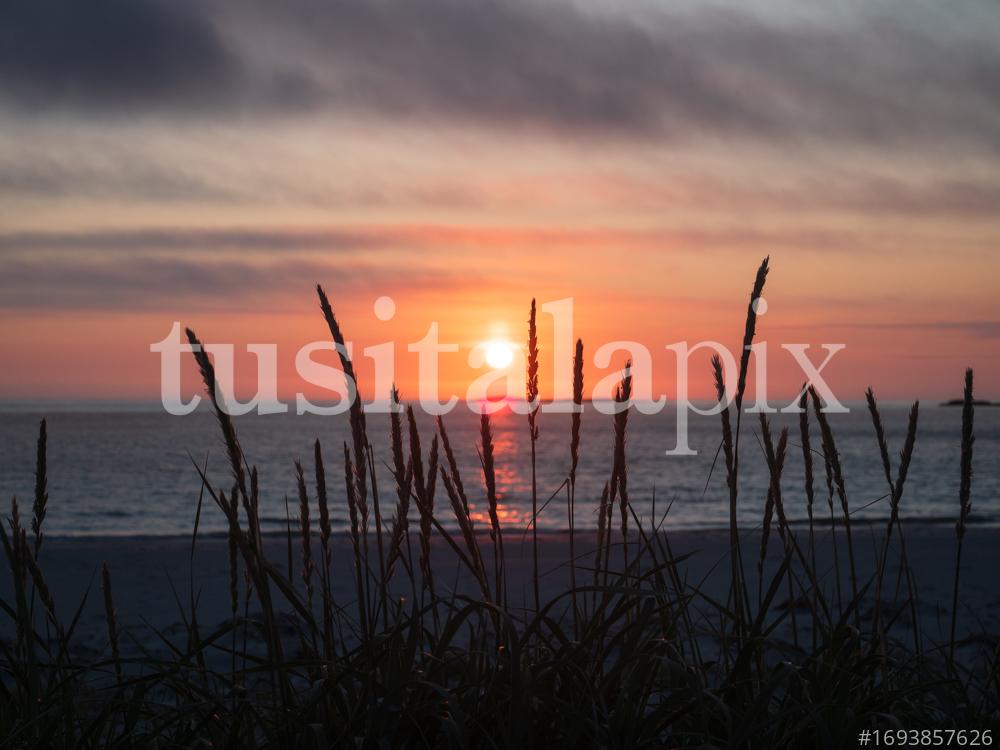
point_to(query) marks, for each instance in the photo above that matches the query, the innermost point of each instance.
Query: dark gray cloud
(124, 179)
(180, 284)
(987, 329)
(513, 64)
(137, 174)
(124, 56)
(115, 53)
(352, 244)
(176, 270)
(519, 64)
(195, 240)
(879, 77)
(875, 194)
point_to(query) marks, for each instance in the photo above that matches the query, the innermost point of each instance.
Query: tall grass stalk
(325, 532)
(111, 619)
(258, 570)
(807, 463)
(895, 491)
(402, 472)
(833, 457)
(487, 460)
(602, 541)
(424, 503)
(360, 569)
(531, 394)
(574, 458)
(305, 529)
(775, 457)
(619, 471)
(739, 593)
(38, 508)
(964, 497)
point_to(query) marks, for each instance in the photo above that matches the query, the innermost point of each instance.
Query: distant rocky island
(975, 402)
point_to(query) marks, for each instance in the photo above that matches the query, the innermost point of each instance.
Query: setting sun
(499, 354)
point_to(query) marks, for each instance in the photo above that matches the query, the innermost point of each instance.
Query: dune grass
(632, 654)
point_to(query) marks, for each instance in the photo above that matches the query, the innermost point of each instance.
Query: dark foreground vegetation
(632, 654)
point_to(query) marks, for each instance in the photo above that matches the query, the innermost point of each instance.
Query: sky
(211, 162)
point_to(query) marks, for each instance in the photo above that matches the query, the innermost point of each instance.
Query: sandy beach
(147, 571)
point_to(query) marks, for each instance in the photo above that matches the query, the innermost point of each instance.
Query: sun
(499, 354)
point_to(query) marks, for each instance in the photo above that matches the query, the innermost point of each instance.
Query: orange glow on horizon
(904, 348)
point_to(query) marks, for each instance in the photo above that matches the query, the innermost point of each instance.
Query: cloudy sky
(209, 162)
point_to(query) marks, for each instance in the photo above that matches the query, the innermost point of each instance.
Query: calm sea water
(124, 469)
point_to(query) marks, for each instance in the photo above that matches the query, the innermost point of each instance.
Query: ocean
(125, 469)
